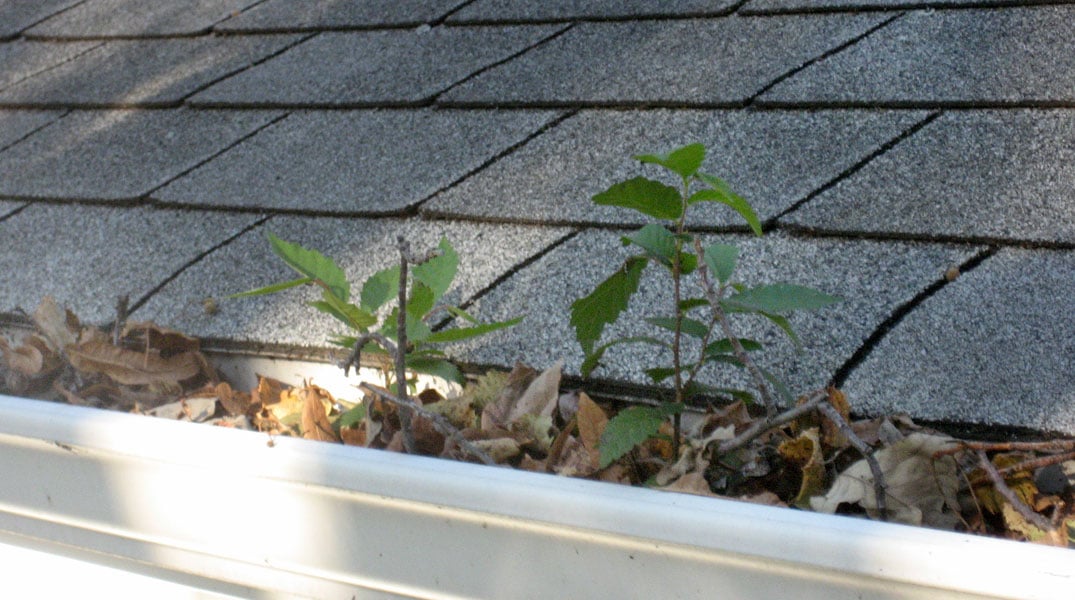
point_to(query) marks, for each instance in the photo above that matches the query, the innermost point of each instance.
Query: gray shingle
(714, 61)
(307, 15)
(962, 57)
(86, 256)
(16, 15)
(360, 247)
(872, 277)
(773, 159)
(117, 155)
(524, 10)
(20, 60)
(142, 72)
(137, 18)
(14, 125)
(995, 346)
(372, 68)
(977, 174)
(779, 6)
(354, 161)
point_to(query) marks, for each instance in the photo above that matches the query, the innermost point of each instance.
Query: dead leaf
(235, 403)
(540, 396)
(150, 335)
(591, 422)
(59, 326)
(691, 483)
(920, 490)
(269, 391)
(574, 460)
(767, 498)
(133, 368)
(315, 423)
(353, 436)
(195, 409)
(495, 413)
(804, 452)
(499, 449)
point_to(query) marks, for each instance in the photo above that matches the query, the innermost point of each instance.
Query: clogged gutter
(524, 419)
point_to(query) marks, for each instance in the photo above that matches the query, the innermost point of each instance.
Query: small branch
(713, 296)
(355, 358)
(879, 486)
(440, 423)
(121, 318)
(761, 426)
(401, 347)
(1002, 488)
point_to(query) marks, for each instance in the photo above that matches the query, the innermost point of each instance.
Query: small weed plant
(679, 253)
(418, 284)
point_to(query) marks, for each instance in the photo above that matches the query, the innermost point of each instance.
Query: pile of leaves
(524, 420)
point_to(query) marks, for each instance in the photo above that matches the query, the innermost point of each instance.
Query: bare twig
(834, 416)
(1002, 488)
(760, 426)
(401, 347)
(121, 318)
(440, 423)
(355, 358)
(713, 296)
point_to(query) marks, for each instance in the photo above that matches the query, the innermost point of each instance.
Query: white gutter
(220, 510)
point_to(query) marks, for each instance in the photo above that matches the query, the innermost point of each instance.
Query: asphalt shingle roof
(147, 147)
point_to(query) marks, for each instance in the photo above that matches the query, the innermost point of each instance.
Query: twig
(401, 347)
(834, 416)
(440, 423)
(1049, 446)
(713, 296)
(762, 425)
(1002, 488)
(355, 358)
(121, 318)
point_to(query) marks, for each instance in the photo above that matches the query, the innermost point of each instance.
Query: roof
(146, 148)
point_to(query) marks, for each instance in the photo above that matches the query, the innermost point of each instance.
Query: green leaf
(420, 301)
(463, 333)
(689, 303)
(660, 244)
(659, 374)
(690, 327)
(271, 289)
(700, 389)
(780, 299)
(630, 428)
(723, 194)
(439, 271)
(648, 197)
(353, 416)
(781, 390)
(590, 314)
(437, 367)
(313, 264)
(461, 314)
(721, 260)
(349, 314)
(594, 359)
(381, 287)
(683, 161)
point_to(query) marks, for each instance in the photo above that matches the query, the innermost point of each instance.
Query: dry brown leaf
(315, 424)
(767, 498)
(269, 391)
(574, 460)
(499, 449)
(804, 452)
(920, 490)
(691, 483)
(353, 436)
(60, 327)
(540, 396)
(591, 422)
(234, 402)
(495, 413)
(197, 410)
(133, 368)
(150, 335)
(528, 463)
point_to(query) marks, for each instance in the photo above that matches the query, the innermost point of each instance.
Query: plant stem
(401, 349)
(677, 334)
(760, 426)
(1006, 492)
(879, 487)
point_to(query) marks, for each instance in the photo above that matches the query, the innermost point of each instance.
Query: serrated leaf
(683, 161)
(438, 367)
(463, 333)
(420, 300)
(313, 264)
(724, 346)
(690, 327)
(272, 289)
(780, 299)
(721, 260)
(659, 374)
(593, 360)
(439, 271)
(630, 428)
(660, 245)
(647, 196)
(347, 313)
(722, 193)
(590, 314)
(381, 287)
